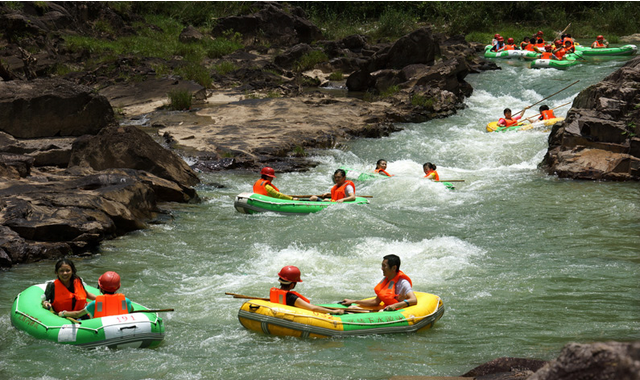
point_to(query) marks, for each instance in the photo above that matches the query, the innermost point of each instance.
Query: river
(525, 262)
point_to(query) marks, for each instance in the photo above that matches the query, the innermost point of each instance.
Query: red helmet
(557, 42)
(539, 33)
(600, 37)
(548, 47)
(510, 40)
(268, 172)
(290, 273)
(109, 282)
(496, 35)
(500, 38)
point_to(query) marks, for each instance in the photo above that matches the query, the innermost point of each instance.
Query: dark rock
(20, 163)
(506, 366)
(129, 147)
(274, 23)
(51, 107)
(291, 55)
(190, 34)
(602, 361)
(597, 140)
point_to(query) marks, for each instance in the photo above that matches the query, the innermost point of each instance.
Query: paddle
(555, 93)
(151, 311)
(309, 196)
(555, 108)
(451, 180)
(235, 295)
(561, 33)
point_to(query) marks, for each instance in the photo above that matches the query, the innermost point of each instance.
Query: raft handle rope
(335, 322)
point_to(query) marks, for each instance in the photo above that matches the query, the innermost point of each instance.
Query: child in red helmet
(264, 186)
(109, 303)
(288, 277)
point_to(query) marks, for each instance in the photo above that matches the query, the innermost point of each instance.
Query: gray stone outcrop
(600, 138)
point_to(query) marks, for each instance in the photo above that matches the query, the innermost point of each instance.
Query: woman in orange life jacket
(381, 168)
(563, 50)
(288, 277)
(565, 38)
(430, 171)
(600, 42)
(343, 190)
(508, 120)
(264, 186)
(67, 291)
(393, 291)
(109, 303)
(539, 37)
(546, 113)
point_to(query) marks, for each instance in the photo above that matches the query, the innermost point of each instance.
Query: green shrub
(336, 76)
(196, 73)
(179, 99)
(225, 67)
(422, 101)
(394, 23)
(309, 60)
(389, 91)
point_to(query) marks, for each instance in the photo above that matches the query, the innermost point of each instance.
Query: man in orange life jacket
(546, 113)
(343, 190)
(548, 53)
(511, 44)
(264, 186)
(508, 120)
(600, 42)
(288, 277)
(394, 291)
(109, 303)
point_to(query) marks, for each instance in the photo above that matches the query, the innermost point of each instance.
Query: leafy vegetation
(309, 60)
(336, 75)
(179, 100)
(422, 101)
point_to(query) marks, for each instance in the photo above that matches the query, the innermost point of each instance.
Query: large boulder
(51, 107)
(274, 23)
(599, 137)
(602, 361)
(129, 147)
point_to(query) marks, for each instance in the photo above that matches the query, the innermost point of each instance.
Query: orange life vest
(547, 55)
(508, 123)
(560, 53)
(548, 114)
(339, 192)
(110, 304)
(510, 47)
(63, 299)
(541, 44)
(277, 295)
(568, 39)
(260, 187)
(437, 178)
(386, 290)
(529, 47)
(380, 171)
(597, 44)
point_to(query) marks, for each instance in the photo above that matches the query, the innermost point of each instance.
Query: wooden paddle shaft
(235, 295)
(151, 311)
(555, 93)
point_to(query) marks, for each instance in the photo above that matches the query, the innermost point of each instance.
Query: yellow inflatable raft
(541, 124)
(276, 319)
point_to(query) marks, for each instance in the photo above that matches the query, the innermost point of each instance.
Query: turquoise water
(524, 262)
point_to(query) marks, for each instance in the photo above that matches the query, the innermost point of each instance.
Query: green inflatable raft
(625, 50)
(568, 61)
(138, 329)
(252, 203)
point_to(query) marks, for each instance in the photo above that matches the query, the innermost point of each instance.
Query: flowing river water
(525, 262)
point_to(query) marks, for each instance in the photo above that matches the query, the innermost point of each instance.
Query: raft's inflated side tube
(540, 124)
(251, 203)
(607, 52)
(118, 331)
(276, 319)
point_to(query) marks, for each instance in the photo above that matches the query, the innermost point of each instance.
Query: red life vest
(510, 47)
(339, 192)
(386, 290)
(110, 304)
(260, 186)
(437, 178)
(277, 295)
(63, 299)
(380, 171)
(548, 114)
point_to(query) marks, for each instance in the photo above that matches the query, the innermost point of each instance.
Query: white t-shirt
(403, 287)
(348, 190)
